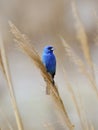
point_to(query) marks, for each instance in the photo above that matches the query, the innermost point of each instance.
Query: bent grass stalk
(5, 69)
(80, 65)
(24, 45)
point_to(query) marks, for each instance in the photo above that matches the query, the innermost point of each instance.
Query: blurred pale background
(42, 21)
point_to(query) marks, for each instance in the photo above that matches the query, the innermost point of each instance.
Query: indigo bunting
(49, 61)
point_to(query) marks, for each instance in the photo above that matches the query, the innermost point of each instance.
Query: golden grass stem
(78, 62)
(24, 45)
(1, 64)
(96, 34)
(81, 35)
(83, 112)
(73, 98)
(5, 67)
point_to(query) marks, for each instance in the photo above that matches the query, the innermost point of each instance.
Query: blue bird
(49, 60)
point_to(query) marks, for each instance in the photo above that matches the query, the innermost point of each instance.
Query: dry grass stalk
(96, 33)
(81, 35)
(23, 43)
(5, 68)
(74, 99)
(80, 65)
(1, 65)
(83, 112)
(3, 113)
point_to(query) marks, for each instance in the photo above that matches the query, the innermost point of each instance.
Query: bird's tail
(53, 82)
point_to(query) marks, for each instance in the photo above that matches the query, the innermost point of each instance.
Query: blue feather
(49, 60)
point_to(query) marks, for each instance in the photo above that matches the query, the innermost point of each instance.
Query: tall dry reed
(82, 37)
(96, 33)
(80, 65)
(25, 46)
(1, 64)
(5, 69)
(73, 97)
(85, 121)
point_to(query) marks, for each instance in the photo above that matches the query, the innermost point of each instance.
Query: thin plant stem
(70, 89)
(80, 65)
(81, 35)
(5, 67)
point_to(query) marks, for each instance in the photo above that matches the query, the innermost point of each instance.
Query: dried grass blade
(24, 45)
(5, 68)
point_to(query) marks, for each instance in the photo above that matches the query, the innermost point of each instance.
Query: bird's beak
(52, 49)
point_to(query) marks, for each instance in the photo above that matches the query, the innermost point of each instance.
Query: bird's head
(48, 49)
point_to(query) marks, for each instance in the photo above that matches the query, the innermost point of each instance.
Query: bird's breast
(49, 61)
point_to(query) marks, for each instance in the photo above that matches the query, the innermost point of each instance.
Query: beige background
(42, 21)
